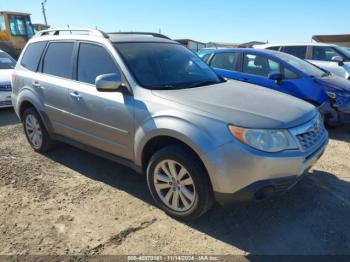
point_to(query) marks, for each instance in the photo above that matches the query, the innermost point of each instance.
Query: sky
(234, 21)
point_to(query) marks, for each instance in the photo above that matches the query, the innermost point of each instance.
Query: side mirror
(108, 82)
(338, 59)
(277, 77)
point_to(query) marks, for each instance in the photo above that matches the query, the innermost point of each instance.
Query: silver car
(147, 102)
(7, 64)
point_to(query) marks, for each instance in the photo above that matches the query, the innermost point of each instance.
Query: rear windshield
(6, 61)
(165, 66)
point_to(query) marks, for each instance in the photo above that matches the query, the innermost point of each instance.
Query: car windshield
(6, 61)
(305, 67)
(166, 66)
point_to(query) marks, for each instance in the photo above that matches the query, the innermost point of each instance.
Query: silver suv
(151, 104)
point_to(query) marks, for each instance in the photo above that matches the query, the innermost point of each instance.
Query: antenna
(44, 10)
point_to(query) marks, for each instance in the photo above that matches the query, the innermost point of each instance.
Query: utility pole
(44, 11)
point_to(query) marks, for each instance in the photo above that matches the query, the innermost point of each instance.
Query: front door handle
(76, 95)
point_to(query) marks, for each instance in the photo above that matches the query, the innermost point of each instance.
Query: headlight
(264, 139)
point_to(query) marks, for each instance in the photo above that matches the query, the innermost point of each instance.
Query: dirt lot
(71, 202)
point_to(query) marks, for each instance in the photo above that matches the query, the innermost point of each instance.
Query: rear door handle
(75, 95)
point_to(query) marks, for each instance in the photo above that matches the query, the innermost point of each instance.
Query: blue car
(285, 73)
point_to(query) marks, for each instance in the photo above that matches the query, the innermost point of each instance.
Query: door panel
(53, 91)
(104, 120)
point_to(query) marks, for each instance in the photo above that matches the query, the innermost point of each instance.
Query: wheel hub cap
(33, 131)
(174, 185)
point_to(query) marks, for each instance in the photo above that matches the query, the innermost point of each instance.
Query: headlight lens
(264, 139)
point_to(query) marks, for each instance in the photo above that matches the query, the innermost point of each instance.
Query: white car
(333, 58)
(7, 64)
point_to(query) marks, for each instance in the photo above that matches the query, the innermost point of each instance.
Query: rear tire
(35, 131)
(178, 183)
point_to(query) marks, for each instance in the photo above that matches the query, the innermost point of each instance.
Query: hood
(5, 76)
(334, 83)
(244, 104)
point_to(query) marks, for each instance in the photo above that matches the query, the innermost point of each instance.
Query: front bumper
(336, 111)
(240, 173)
(5, 99)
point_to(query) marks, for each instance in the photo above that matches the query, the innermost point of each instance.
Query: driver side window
(94, 60)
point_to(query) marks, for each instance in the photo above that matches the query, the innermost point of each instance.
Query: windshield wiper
(326, 74)
(203, 83)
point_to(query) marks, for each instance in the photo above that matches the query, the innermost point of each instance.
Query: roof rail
(87, 31)
(139, 33)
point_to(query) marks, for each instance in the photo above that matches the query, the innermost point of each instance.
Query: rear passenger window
(58, 59)
(298, 51)
(227, 61)
(259, 65)
(94, 60)
(32, 55)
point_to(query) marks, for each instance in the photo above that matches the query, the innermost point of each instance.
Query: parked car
(7, 64)
(287, 74)
(333, 58)
(152, 104)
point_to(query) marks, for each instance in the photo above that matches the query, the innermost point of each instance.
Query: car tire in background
(179, 183)
(35, 131)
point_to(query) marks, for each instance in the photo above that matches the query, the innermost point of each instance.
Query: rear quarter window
(32, 55)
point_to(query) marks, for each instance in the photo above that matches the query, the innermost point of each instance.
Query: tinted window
(166, 66)
(288, 74)
(58, 59)
(94, 60)
(324, 53)
(298, 51)
(276, 48)
(259, 65)
(6, 61)
(32, 55)
(227, 61)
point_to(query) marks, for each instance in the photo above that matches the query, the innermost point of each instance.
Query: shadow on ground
(312, 218)
(341, 133)
(8, 117)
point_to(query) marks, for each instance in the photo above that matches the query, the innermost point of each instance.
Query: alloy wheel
(174, 185)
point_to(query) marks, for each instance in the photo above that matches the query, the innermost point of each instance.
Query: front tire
(35, 131)
(178, 183)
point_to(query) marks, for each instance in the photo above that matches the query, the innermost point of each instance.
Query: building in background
(342, 40)
(194, 46)
(251, 44)
(218, 45)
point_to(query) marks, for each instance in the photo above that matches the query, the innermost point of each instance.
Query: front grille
(6, 87)
(312, 134)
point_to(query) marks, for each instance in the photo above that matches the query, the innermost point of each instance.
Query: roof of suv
(86, 33)
(123, 38)
(291, 44)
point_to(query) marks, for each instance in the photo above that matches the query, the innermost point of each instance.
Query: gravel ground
(71, 202)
